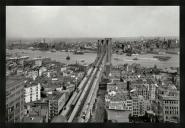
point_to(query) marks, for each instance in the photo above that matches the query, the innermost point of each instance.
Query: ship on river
(68, 57)
(78, 52)
(162, 58)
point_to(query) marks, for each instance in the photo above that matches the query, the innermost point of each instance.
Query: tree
(42, 89)
(105, 116)
(43, 95)
(130, 117)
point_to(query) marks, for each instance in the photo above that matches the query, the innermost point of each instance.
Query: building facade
(139, 106)
(56, 103)
(32, 93)
(168, 108)
(171, 109)
(14, 99)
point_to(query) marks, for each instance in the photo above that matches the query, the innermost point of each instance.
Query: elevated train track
(82, 100)
(83, 97)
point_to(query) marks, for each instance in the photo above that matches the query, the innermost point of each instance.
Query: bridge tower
(105, 47)
(108, 44)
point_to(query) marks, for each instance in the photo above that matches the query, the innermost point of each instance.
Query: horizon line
(96, 37)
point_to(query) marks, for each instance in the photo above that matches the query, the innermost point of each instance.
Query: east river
(146, 60)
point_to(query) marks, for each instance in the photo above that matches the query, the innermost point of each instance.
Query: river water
(146, 60)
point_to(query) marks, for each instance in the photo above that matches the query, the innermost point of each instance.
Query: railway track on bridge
(79, 97)
(79, 107)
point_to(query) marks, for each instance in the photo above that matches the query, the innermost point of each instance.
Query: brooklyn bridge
(80, 105)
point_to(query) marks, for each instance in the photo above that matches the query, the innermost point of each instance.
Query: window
(10, 116)
(11, 109)
(17, 118)
(17, 105)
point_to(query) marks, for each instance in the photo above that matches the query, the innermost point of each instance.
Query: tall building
(56, 103)
(168, 106)
(170, 109)
(14, 98)
(32, 92)
(152, 91)
(143, 90)
(139, 106)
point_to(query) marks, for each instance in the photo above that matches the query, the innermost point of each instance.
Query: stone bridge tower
(105, 47)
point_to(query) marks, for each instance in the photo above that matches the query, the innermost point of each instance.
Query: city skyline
(91, 21)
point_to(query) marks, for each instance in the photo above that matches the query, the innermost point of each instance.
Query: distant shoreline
(90, 38)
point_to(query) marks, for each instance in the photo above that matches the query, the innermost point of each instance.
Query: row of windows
(31, 99)
(10, 116)
(32, 95)
(135, 109)
(167, 107)
(171, 112)
(31, 91)
(171, 102)
(135, 113)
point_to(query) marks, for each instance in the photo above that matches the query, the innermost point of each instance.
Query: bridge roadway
(81, 102)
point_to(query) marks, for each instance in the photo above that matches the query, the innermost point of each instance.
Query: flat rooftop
(55, 95)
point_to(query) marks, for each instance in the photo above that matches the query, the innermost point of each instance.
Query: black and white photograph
(92, 64)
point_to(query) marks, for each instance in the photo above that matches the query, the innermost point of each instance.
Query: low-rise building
(38, 61)
(120, 105)
(32, 74)
(41, 70)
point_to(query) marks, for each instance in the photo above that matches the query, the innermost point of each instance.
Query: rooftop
(118, 97)
(165, 97)
(55, 95)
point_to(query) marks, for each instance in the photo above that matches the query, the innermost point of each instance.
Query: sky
(91, 21)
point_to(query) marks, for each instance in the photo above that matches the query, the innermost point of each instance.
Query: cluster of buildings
(47, 44)
(144, 92)
(144, 45)
(38, 89)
